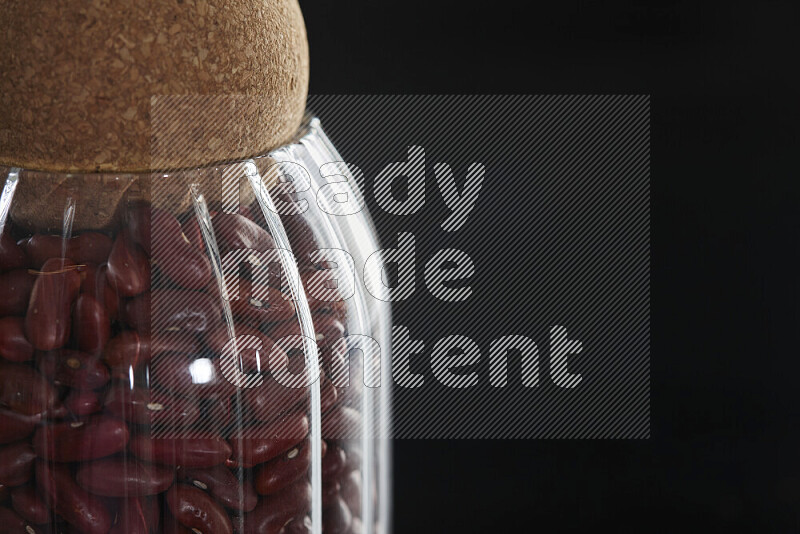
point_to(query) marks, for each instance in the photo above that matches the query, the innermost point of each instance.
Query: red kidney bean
(337, 518)
(90, 247)
(12, 523)
(224, 486)
(16, 463)
(14, 346)
(24, 390)
(327, 328)
(122, 477)
(330, 490)
(141, 406)
(275, 511)
(135, 312)
(298, 525)
(270, 400)
(173, 310)
(82, 403)
(195, 509)
(14, 426)
(94, 282)
(341, 422)
(185, 452)
(236, 232)
(83, 440)
(17, 286)
(132, 517)
(128, 268)
(276, 474)
(78, 507)
(12, 256)
(351, 491)
(183, 310)
(197, 377)
(30, 506)
(254, 446)
(328, 394)
(73, 368)
(47, 322)
(138, 225)
(184, 264)
(92, 327)
(333, 463)
(252, 360)
(128, 349)
(42, 247)
(253, 308)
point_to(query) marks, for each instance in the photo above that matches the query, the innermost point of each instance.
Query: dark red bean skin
(176, 373)
(341, 423)
(12, 523)
(128, 349)
(261, 312)
(14, 426)
(92, 327)
(270, 400)
(252, 359)
(141, 406)
(174, 310)
(276, 474)
(275, 511)
(333, 463)
(184, 264)
(80, 441)
(77, 506)
(14, 346)
(24, 390)
(17, 286)
(351, 491)
(30, 505)
(188, 452)
(299, 525)
(330, 490)
(132, 517)
(128, 268)
(47, 321)
(195, 509)
(255, 446)
(121, 477)
(337, 518)
(82, 403)
(12, 256)
(89, 247)
(236, 232)
(16, 463)
(73, 368)
(42, 247)
(138, 225)
(94, 282)
(224, 486)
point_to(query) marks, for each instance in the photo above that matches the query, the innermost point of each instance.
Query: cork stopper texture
(82, 79)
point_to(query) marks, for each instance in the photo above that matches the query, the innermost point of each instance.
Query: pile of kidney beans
(87, 374)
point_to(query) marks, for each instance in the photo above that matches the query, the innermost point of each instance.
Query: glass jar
(193, 350)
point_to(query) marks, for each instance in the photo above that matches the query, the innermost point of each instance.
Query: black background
(724, 445)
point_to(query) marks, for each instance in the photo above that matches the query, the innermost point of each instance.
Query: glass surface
(174, 351)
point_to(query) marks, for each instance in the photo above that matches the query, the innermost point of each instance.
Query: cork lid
(102, 85)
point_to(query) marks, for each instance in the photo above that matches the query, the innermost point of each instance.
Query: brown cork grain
(104, 86)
